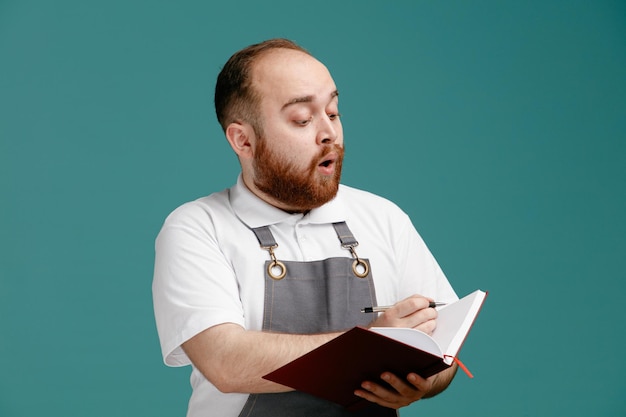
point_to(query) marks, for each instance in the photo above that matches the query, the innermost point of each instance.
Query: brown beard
(295, 189)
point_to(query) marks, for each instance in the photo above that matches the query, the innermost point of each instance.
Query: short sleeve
(419, 269)
(194, 285)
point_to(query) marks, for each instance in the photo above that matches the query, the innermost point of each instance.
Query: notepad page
(412, 337)
(455, 320)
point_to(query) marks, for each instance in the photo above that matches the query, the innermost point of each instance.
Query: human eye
(303, 122)
(334, 115)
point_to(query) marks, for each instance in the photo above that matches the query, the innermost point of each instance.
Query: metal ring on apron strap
(277, 265)
(363, 270)
(358, 262)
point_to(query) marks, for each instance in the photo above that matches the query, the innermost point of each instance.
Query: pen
(380, 309)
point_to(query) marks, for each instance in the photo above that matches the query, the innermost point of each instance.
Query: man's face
(298, 156)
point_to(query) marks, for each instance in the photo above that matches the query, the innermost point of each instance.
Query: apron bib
(313, 297)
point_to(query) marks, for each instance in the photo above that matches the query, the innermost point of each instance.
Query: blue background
(499, 126)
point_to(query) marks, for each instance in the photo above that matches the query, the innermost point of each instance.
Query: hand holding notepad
(334, 370)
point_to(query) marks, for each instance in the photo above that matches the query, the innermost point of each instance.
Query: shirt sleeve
(194, 285)
(419, 270)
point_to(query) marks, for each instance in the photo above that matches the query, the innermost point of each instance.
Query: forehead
(284, 74)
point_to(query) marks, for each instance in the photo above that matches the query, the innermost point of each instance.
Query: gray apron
(313, 297)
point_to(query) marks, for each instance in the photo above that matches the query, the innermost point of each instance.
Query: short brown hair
(235, 99)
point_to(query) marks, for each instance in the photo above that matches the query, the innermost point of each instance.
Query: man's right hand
(413, 312)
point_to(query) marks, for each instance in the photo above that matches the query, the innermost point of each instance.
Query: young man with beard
(252, 277)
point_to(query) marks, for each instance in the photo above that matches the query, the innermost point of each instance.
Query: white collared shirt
(209, 266)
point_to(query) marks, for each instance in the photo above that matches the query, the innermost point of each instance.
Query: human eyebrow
(306, 99)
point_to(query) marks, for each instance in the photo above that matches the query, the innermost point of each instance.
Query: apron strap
(345, 235)
(276, 269)
(359, 266)
(265, 237)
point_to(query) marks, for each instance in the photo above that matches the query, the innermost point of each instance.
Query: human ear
(239, 137)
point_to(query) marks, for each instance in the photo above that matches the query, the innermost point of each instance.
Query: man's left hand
(406, 391)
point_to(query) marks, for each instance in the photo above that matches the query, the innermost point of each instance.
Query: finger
(421, 384)
(411, 312)
(377, 394)
(399, 395)
(401, 386)
(367, 392)
(411, 305)
(427, 327)
(426, 318)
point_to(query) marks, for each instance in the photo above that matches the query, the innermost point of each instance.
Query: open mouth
(328, 160)
(327, 165)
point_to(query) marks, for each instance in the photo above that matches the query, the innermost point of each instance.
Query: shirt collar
(255, 212)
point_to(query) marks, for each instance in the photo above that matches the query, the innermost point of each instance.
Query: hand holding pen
(382, 309)
(415, 312)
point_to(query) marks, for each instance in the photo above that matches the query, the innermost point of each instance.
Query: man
(255, 276)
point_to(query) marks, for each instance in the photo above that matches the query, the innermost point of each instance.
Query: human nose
(329, 130)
